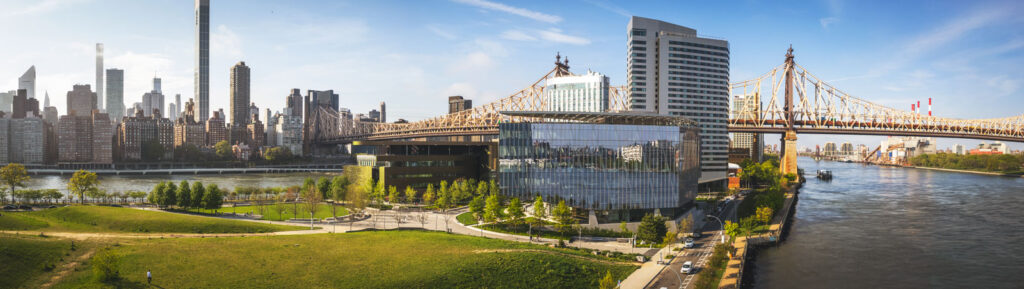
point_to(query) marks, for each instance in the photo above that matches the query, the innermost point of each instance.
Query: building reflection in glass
(620, 171)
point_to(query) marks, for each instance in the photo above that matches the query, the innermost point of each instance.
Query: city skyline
(921, 57)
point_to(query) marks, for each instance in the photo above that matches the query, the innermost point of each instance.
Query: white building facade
(581, 93)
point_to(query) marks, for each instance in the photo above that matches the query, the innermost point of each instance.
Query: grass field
(381, 259)
(111, 219)
(269, 212)
(466, 219)
(27, 259)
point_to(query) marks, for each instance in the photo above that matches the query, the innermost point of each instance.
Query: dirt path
(67, 269)
(481, 251)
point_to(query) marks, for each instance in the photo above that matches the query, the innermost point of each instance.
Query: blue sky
(966, 55)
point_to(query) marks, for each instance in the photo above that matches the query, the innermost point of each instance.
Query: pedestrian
(149, 277)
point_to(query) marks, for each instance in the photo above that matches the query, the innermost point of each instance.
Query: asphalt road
(700, 253)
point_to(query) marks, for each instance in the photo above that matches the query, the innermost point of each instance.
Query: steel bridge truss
(820, 108)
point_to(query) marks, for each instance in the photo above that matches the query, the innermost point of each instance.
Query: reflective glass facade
(600, 166)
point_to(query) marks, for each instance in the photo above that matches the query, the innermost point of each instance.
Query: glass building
(614, 166)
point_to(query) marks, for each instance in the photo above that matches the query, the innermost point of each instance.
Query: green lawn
(269, 212)
(112, 219)
(26, 259)
(376, 259)
(466, 219)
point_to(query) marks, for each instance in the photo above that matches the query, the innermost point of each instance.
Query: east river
(114, 183)
(883, 227)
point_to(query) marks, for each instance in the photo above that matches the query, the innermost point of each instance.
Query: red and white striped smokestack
(912, 108)
(929, 106)
(918, 107)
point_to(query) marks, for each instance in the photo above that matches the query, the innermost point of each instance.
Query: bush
(106, 265)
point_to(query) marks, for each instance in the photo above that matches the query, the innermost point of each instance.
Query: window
(638, 32)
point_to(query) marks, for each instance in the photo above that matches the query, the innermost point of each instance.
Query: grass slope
(382, 259)
(269, 213)
(111, 219)
(26, 258)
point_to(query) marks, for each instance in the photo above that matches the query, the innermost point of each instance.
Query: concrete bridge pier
(787, 160)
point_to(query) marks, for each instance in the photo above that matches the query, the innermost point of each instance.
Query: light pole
(720, 223)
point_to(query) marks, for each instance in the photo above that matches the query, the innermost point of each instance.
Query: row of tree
(994, 163)
(185, 196)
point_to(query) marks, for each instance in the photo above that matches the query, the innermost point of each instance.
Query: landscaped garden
(113, 219)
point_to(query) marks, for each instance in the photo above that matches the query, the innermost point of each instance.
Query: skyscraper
(240, 94)
(671, 71)
(383, 113)
(588, 92)
(153, 100)
(115, 94)
(99, 76)
(177, 105)
(81, 101)
(457, 103)
(202, 73)
(27, 82)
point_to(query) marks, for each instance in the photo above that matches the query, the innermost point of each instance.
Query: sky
(965, 55)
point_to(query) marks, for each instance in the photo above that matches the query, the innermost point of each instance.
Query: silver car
(687, 268)
(688, 243)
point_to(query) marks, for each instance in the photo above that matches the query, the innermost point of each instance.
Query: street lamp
(720, 223)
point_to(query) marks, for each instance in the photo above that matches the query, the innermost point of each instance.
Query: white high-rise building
(588, 92)
(27, 82)
(99, 77)
(745, 140)
(672, 71)
(202, 73)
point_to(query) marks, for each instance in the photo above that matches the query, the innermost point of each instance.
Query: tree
(278, 155)
(223, 150)
(393, 195)
(731, 229)
(481, 189)
(199, 195)
(106, 266)
(378, 192)
(764, 215)
(152, 151)
(188, 153)
(493, 211)
(410, 194)
(670, 237)
(539, 211)
(54, 194)
(476, 207)
(95, 194)
(324, 186)
(184, 195)
(213, 198)
(651, 228)
(137, 195)
(492, 187)
(338, 192)
(608, 282)
(623, 227)
(563, 216)
(515, 210)
(81, 182)
(312, 198)
(686, 224)
(157, 194)
(14, 175)
(170, 195)
(429, 195)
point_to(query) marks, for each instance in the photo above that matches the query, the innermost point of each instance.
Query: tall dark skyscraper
(202, 68)
(240, 95)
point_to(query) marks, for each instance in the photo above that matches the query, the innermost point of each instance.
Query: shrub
(106, 265)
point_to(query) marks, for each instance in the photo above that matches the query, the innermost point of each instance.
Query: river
(883, 227)
(115, 183)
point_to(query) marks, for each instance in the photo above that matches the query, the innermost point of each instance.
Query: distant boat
(825, 175)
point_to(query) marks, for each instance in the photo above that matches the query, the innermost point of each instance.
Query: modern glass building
(612, 166)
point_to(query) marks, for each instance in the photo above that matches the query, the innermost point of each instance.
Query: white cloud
(827, 21)
(461, 88)
(610, 7)
(226, 42)
(556, 35)
(441, 32)
(517, 36)
(539, 16)
(953, 31)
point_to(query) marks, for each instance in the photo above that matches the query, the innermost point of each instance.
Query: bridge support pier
(787, 160)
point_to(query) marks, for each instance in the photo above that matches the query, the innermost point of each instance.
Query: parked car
(687, 267)
(25, 207)
(688, 243)
(10, 207)
(696, 234)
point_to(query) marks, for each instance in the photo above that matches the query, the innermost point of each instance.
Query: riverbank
(189, 171)
(734, 270)
(1021, 175)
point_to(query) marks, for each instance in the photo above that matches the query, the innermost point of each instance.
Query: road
(711, 234)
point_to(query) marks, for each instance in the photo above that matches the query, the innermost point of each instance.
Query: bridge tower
(788, 141)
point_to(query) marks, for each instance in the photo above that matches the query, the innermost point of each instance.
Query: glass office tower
(619, 168)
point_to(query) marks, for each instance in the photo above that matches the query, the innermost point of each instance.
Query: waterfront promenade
(733, 275)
